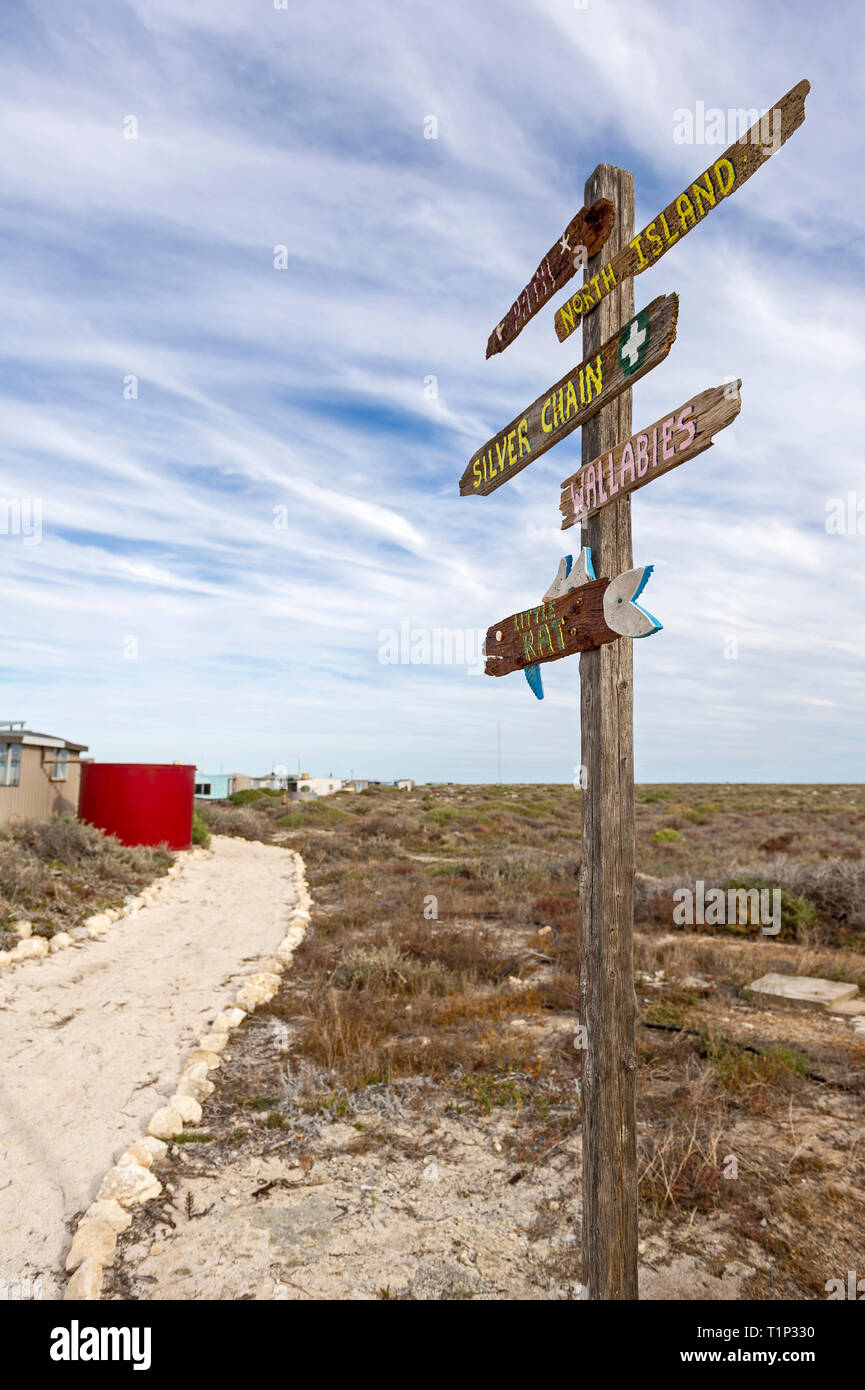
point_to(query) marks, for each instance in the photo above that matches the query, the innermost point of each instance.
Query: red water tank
(140, 803)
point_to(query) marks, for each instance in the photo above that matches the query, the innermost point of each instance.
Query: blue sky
(221, 555)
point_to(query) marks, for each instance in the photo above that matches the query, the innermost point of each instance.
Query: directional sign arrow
(588, 230)
(625, 357)
(682, 435)
(577, 613)
(733, 168)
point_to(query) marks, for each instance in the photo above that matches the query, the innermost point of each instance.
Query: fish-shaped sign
(577, 613)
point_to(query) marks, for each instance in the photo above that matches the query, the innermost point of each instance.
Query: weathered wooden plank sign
(734, 167)
(577, 613)
(656, 450)
(589, 229)
(625, 357)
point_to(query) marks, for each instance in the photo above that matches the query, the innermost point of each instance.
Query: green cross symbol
(634, 343)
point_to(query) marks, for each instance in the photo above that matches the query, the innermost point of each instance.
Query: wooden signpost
(588, 230)
(628, 354)
(596, 616)
(723, 177)
(657, 449)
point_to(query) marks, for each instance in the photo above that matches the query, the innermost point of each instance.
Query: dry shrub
(385, 969)
(21, 875)
(346, 923)
(561, 993)
(68, 841)
(469, 957)
(836, 886)
(558, 911)
(244, 822)
(369, 826)
(682, 1169)
(361, 1039)
(63, 838)
(488, 1005)
(753, 1078)
(57, 872)
(345, 1034)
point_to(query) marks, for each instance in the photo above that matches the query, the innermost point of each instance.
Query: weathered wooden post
(608, 1004)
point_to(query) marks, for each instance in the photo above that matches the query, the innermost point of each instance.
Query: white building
(300, 787)
(314, 786)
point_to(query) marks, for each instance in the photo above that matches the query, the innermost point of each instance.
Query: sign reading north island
(681, 435)
(589, 230)
(577, 613)
(717, 183)
(625, 357)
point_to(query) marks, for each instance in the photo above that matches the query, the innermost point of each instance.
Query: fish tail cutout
(533, 676)
(590, 569)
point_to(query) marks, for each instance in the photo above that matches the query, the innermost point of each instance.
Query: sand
(94, 1037)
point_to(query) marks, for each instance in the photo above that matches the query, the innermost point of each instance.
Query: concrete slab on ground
(801, 991)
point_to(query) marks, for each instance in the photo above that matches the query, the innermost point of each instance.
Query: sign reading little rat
(586, 233)
(625, 357)
(577, 613)
(714, 185)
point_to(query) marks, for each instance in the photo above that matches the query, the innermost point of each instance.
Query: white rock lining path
(92, 1040)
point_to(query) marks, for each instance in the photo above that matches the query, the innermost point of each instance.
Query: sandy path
(92, 1038)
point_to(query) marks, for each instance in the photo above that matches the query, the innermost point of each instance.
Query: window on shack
(10, 764)
(58, 764)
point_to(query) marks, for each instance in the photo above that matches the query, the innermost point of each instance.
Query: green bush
(312, 813)
(442, 816)
(798, 915)
(251, 794)
(200, 831)
(667, 836)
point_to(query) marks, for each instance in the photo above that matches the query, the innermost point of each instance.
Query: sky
(247, 285)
